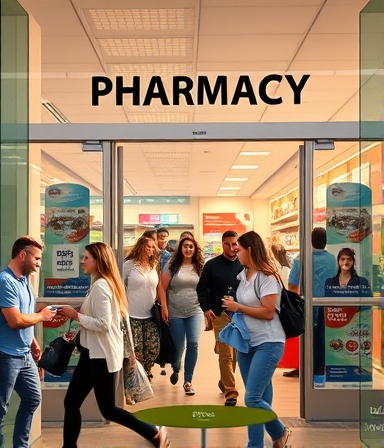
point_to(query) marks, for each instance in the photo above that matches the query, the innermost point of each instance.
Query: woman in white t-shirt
(141, 279)
(258, 296)
(282, 263)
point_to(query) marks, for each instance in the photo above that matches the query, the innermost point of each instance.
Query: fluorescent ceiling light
(229, 188)
(244, 167)
(255, 153)
(225, 194)
(236, 179)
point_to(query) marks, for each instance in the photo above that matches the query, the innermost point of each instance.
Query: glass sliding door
(371, 129)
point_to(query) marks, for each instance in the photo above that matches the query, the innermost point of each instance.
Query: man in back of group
(19, 350)
(162, 236)
(219, 274)
(324, 266)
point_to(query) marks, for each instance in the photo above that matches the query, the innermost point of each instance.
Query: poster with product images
(348, 330)
(215, 224)
(348, 355)
(67, 228)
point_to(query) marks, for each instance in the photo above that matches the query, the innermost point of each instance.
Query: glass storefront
(14, 126)
(371, 126)
(160, 180)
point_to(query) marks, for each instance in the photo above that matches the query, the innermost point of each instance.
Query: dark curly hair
(177, 257)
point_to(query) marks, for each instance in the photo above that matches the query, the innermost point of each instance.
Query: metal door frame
(315, 404)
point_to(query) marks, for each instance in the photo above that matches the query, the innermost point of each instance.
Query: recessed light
(254, 153)
(225, 194)
(244, 167)
(236, 179)
(229, 188)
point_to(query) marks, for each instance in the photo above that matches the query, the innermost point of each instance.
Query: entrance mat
(295, 422)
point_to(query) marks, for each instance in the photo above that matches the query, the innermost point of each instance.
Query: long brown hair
(258, 255)
(280, 254)
(139, 255)
(177, 257)
(107, 269)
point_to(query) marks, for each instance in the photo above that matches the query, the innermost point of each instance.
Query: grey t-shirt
(182, 295)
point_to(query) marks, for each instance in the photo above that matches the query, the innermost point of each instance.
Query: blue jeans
(19, 374)
(257, 368)
(181, 329)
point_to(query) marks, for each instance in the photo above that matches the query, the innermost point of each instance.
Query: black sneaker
(174, 378)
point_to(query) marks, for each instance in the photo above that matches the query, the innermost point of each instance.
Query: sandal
(285, 437)
(188, 389)
(161, 439)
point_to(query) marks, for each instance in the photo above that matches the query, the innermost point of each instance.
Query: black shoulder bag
(56, 356)
(291, 312)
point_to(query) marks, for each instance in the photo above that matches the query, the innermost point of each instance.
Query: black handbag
(291, 311)
(167, 347)
(56, 356)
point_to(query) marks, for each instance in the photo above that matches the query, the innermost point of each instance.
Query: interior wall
(193, 212)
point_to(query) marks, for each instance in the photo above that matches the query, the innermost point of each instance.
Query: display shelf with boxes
(284, 212)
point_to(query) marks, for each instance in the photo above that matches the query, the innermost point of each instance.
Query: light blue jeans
(257, 368)
(186, 329)
(19, 374)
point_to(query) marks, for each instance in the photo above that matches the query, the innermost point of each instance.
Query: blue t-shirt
(324, 266)
(15, 292)
(164, 258)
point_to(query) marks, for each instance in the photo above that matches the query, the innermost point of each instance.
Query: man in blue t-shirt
(19, 350)
(162, 236)
(324, 266)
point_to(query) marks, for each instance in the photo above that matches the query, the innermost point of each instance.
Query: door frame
(315, 404)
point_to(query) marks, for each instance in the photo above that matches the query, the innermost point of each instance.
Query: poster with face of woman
(348, 329)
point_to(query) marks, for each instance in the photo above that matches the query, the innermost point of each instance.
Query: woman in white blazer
(101, 349)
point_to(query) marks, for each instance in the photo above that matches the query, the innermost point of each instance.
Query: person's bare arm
(294, 288)
(265, 312)
(17, 320)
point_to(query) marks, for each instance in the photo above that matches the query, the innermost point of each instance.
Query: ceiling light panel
(244, 167)
(160, 117)
(143, 47)
(150, 69)
(255, 153)
(142, 19)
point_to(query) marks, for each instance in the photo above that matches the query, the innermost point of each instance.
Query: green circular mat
(205, 416)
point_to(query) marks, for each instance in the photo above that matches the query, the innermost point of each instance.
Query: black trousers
(93, 374)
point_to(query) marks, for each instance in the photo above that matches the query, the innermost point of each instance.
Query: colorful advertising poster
(348, 352)
(215, 224)
(66, 235)
(60, 326)
(348, 330)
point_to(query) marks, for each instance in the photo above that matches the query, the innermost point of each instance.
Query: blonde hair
(139, 254)
(107, 269)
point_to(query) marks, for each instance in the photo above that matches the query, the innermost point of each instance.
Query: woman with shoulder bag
(259, 279)
(180, 278)
(101, 349)
(141, 275)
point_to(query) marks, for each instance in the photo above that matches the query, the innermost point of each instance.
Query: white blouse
(99, 319)
(141, 290)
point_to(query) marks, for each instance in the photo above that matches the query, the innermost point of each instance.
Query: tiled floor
(286, 405)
